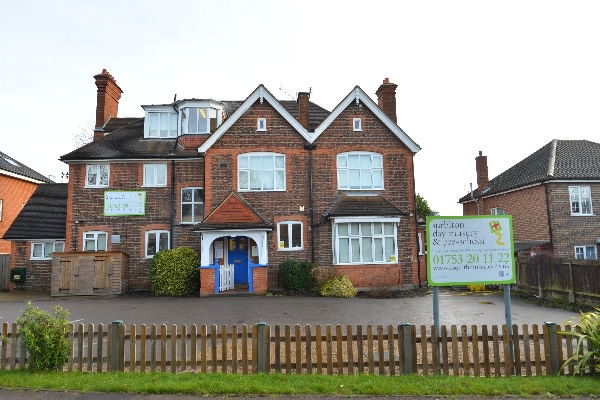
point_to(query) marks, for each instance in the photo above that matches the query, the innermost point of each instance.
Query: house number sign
(470, 250)
(117, 203)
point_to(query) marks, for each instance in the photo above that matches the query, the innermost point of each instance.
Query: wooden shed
(89, 273)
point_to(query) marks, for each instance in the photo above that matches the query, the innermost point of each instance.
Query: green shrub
(587, 330)
(297, 275)
(174, 272)
(340, 286)
(44, 337)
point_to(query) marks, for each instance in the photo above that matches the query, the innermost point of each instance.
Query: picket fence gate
(226, 277)
(381, 350)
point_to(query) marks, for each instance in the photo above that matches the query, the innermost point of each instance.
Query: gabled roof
(356, 206)
(233, 213)
(557, 160)
(358, 95)
(43, 217)
(128, 142)
(260, 93)
(11, 167)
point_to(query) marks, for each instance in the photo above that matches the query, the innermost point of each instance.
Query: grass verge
(276, 384)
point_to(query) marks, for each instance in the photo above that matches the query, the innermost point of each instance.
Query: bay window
(365, 241)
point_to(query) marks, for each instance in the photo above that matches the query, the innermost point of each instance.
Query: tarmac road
(456, 307)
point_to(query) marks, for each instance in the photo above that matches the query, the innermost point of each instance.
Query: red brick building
(551, 196)
(254, 181)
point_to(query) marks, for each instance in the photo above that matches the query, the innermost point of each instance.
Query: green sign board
(470, 250)
(120, 203)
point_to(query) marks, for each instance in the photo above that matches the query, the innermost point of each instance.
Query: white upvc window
(161, 125)
(360, 171)
(290, 236)
(156, 241)
(199, 120)
(365, 241)
(261, 172)
(97, 175)
(581, 200)
(261, 124)
(95, 241)
(420, 243)
(356, 124)
(192, 205)
(44, 250)
(155, 174)
(585, 253)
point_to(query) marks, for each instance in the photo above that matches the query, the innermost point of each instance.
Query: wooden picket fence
(381, 350)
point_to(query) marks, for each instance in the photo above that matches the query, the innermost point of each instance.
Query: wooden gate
(4, 271)
(226, 277)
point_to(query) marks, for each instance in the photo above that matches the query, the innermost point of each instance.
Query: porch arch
(208, 237)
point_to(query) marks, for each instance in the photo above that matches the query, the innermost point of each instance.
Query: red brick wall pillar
(207, 282)
(259, 279)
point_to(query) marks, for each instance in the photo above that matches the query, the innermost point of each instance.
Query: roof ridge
(552, 160)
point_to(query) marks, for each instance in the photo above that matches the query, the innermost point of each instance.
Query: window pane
(37, 250)
(365, 228)
(284, 235)
(365, 162)
(48, 250)
(354, 229)
(255, 180)
(198, 212)
(378, 250)
(198, 195)
(366, 180)
(161, 174)
(354, 179)
(367, 249)
(186, 195)
(243, 162)
(389, 249)
(255, 162)
(92, 174)
(344, 249)
(378, 179)
(102, 242)
(149, 176)
(377, 228)
(590, 253)
(296, 235)
(377, 161)
(243, 180)
(151, 244)
(388, 228)
(355, 244)
(193, 121)
(153, 124)
(279, 179)
(586, 204)
(103, 175)
(186, 213)
(268, 163)
(342, 162)
(343, 229)
(279, 162)
(163, 241)
(268, 180)
(173, 124)
(59, 247)
(354, 161)
(342, 179)
(164, 125)
(89, 245)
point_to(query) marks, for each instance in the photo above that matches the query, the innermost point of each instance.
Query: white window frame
(357, 124)
(497, 211)
(155, 167)
(245, 172)
(261, 124)
(193, 204)
(575, 198)
(162, 117)
(288, 226)
(98, 179)
(156, 234)
(582, 254)
(345, 172)
(420, 236)
(56, 247)
(390, 257)
(93, 236)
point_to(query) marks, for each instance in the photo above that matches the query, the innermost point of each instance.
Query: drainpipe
(416, 224)
(549, 218)
(172, 204)
(310, 147)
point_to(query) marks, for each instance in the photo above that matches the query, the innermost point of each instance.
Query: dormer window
(199, 120)
(357, 124)
(261, 124)
(162, 125)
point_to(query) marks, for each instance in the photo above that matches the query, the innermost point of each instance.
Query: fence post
(408, 356)
(261, 347)
(554, 367)
(115, 350)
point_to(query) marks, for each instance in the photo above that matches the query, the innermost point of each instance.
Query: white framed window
(199, 119)
(585, 253)
(581, 200)
(97, 175)
(420, 244)
(356, 124)
(365, 241)
(161, 125)
(496, 211)
(261, 172)
(44, 250)
(261, 124)
(156, 241)
(95, 241)
(155, 174)
(290, 236)
(360, 171)
(192, 205)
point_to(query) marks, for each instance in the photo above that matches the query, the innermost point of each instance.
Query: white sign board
(124, 203)
(470, 250)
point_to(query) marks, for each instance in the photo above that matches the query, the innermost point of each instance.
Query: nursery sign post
(470, 250)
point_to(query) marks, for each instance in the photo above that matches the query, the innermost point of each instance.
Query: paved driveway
(456, 307)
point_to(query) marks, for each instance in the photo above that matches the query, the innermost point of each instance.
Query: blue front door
(238, 256)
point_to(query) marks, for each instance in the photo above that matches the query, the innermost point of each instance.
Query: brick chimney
(303, 108)
(481, 167)
(107, 101)
(386, 98)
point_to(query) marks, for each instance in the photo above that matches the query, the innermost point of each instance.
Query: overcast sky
(502, 77)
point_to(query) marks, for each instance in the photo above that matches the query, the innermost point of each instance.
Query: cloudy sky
(502, 77)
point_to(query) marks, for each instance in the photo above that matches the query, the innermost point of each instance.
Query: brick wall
(86, 205)
(14, 194)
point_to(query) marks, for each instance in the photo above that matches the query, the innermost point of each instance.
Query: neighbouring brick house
(258, 180)
(551, 196)
(38, 232)
(17, 183)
